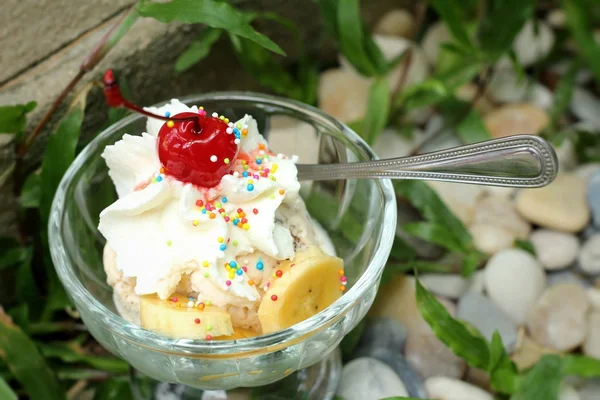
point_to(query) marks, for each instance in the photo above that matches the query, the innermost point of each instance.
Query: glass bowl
(358, 215)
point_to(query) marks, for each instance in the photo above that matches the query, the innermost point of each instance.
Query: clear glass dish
(359, 216)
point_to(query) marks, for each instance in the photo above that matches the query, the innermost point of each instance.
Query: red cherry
(193, 148)
(200, 157)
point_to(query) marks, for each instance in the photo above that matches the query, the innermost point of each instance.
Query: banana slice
(177, 320)
(307, 285)
(238, 333)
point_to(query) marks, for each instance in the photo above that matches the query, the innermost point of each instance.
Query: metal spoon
(517, 161)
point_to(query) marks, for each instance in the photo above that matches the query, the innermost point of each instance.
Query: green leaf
(462, 340)
(71, 352)
(114, 390)
(503, 372)
(357, 46)
(216, 14)
(581, 26)
(401, 398)
(328, 10)
(525, 245)
(542, 381)
(402, 251)
(587, 146)
(394, 268)
(6, 393)
(563, 94)
(198, 50)
(450, 12)
(434, 233)
(378, 108)
(471, 129)
(501, 26)
(14, 118)
(30, 193)
(433, 209)
(27, 289)
(59, 154)
(11, 252)
(585, 367)
(470, 263)
(26, 363)
(350, 341)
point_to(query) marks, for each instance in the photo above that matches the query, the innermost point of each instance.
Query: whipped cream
(161, 228)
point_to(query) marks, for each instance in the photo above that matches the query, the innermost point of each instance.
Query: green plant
(42, 342)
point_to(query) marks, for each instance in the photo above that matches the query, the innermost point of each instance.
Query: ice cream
(213, 248)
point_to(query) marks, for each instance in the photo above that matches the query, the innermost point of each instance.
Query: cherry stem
(114, 98)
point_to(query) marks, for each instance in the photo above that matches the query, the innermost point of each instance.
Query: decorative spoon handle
(517, 161)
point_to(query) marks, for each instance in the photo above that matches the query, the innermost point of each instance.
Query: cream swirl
(161, 228)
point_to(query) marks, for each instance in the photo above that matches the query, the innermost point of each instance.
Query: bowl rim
(219, 348)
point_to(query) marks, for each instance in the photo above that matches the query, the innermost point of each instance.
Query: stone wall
(44, 41)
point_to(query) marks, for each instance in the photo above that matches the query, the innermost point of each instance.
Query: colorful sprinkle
(260, 265)
(223, 247)
(209, 327)
(239, 271)
(190, 304)
(278, 273)
(341, 272)
(170, 124)
(235, 243)
(169, 243)
(213, 158)
(167, 114)
(281, 192)
(206, 274)
(251, 282)
(228, 282)
(250, 187)
(200, 306)
(199, 203)
(274, 297)
(215, 115)
(195, 223)
(174, 299)
(205, 263)
(245, 226)
(220, 239)
(255, 211)
(197, 320)
(342, 288)
(212, 215)
(232, 264)
(224, 200)
(208, 337)
(226, 161)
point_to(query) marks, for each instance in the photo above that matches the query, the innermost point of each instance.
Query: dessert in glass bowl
(209, 238)
(358, 216)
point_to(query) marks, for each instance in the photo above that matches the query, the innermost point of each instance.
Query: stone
(562, 205)
(410, 378)
(479, 378)
(585, 105)
(566, 156)
(591, 346)
(593, 294)
(514, 281)
(400, 290)
(469, 92)
(444, 388)
(386, 333)
(436, 35)
(484, 315)
(500, 191)
(397, 22)
(343, 94)
(516, 119)
(593, 194)
(557, 18)
(430, 357)
(588, 232)
(567, 276)
(390, 143)
(590, 390)
(448, 285)
(460, 198)
(528, 352)
(558, 320)
(391, 47)
(554, 249)
(568, 392)
(589, 256)
(369, 379)
(586, 171)
(478, 282)
(287, 135)
(533, 43)
(496, 224)
(507, 87)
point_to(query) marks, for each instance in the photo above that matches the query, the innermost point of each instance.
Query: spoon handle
(517, 161)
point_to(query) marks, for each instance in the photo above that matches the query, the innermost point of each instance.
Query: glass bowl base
(317, 382)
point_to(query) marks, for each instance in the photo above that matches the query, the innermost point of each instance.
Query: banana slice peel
(175, 319)
(300, 289)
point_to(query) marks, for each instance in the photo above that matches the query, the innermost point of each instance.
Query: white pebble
(447, 285)
(367, 378)
(554, 249)
(514, 280)
(443, 388)
(591, 346)
(589, 256)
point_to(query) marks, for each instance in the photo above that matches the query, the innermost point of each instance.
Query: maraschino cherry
(192, 147)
